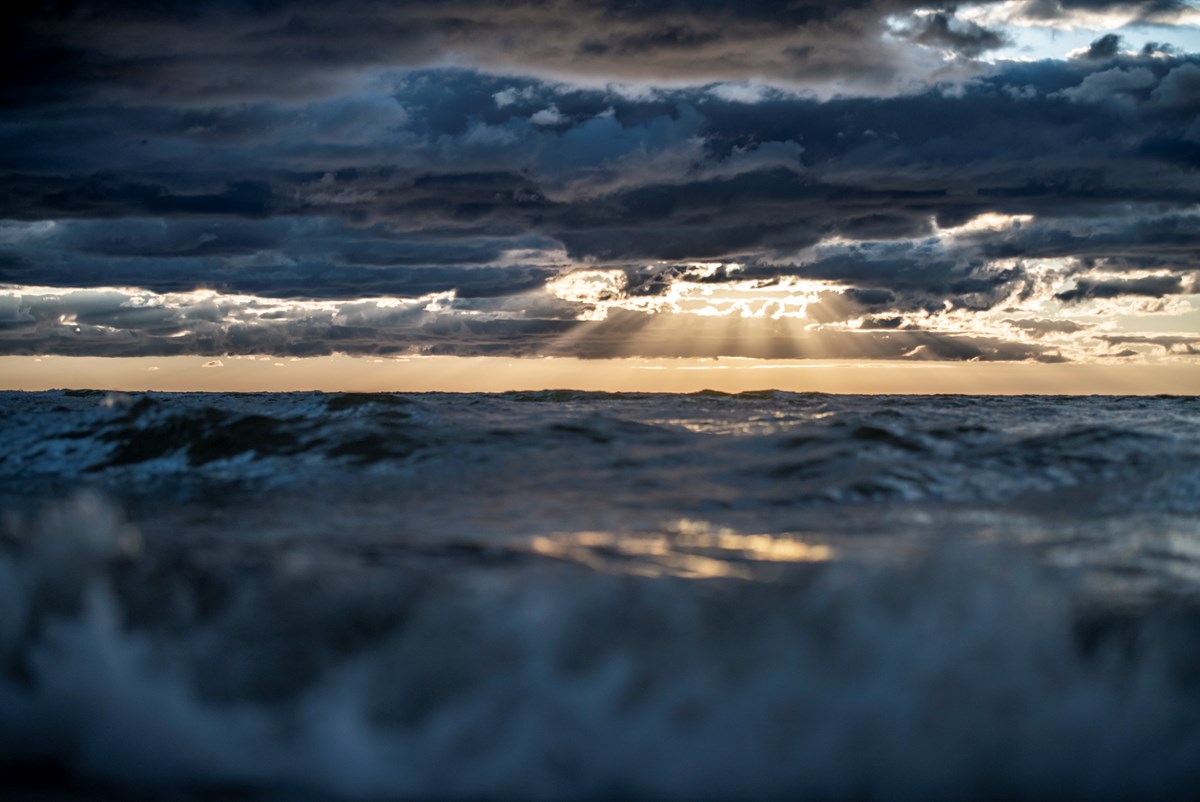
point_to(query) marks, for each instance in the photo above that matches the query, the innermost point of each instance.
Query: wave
(591, 597)
(1008, 442)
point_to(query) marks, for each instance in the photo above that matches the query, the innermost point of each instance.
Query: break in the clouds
(870, 179)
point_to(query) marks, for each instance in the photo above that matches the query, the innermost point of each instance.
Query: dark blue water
(565, 595)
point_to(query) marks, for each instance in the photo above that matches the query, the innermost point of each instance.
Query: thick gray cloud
(1180, 88)
(227, 50)
(452, 146)
(1105, 47)
(1152, 286)
(967, 38)
(234, 51)
(1146, 11)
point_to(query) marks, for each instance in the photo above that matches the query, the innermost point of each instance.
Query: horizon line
(494, 374)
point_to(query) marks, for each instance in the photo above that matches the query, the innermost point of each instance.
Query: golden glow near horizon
(499, 374)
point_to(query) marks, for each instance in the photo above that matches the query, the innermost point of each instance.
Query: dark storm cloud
(1152, 287)
(1146, 11)
(674, 175)
(966, 38)
(105, 195)
(220, 51)
(1115, 242)
(175, 51)
(280, 257)
(1105, 47)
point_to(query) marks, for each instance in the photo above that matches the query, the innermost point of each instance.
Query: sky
(876, 195)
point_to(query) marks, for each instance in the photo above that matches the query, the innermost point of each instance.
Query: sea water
(561, 595)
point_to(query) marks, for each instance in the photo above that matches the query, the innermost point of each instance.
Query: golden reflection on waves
(685, 548)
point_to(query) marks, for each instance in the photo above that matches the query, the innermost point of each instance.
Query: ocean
(566, 595)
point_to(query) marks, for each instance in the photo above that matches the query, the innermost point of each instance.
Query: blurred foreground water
(566, 595)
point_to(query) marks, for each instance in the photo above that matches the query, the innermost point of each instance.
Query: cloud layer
(318, 157)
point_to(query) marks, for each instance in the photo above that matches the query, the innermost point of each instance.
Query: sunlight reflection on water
(685, 548)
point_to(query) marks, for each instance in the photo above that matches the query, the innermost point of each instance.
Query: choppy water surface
(568, 595)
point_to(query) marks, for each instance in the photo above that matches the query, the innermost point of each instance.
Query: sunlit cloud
(1070, 17)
